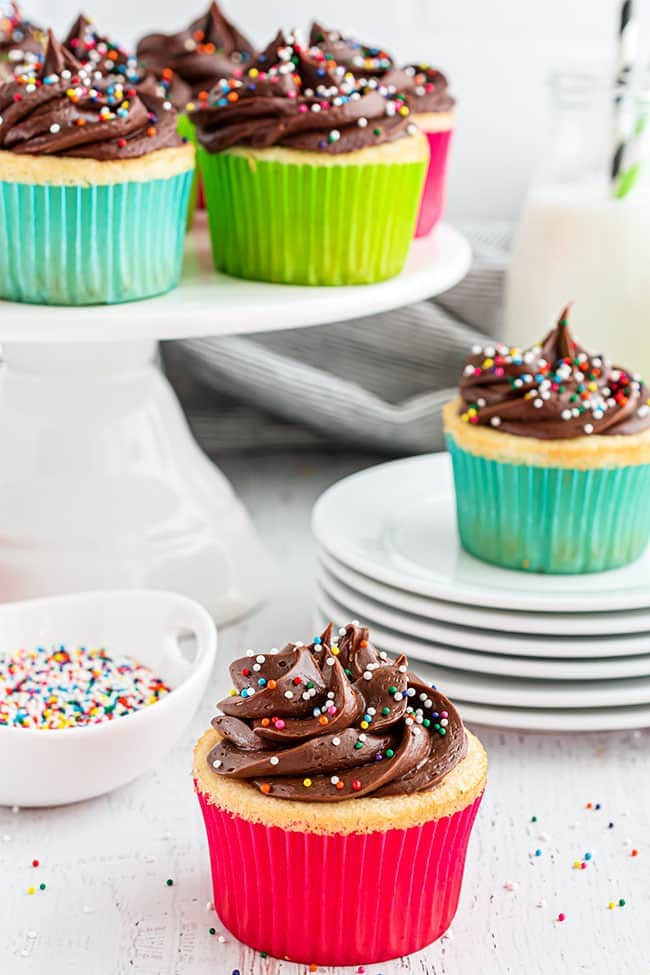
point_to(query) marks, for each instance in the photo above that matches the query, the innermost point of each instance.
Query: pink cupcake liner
(433, 195)
(340, 899)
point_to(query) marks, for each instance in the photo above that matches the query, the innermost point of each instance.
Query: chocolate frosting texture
(292, 97)
(425, 86)
(62, 108)
(552, 391)
(20, 40)
(334, 721)
(209, 49)
(361, 60)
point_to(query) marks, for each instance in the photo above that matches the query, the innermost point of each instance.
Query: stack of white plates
(513, 649)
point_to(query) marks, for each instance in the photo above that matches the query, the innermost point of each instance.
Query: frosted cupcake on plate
(336, 785)
(94, 185)
(309, 179)
(551, 457)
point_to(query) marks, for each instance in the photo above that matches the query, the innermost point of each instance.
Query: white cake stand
(101, 482)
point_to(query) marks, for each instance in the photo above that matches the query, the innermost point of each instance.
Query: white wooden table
(107, 909)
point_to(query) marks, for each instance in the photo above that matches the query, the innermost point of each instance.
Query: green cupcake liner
(300, 223)
(88, 245)
(187, 130)
(550, 519)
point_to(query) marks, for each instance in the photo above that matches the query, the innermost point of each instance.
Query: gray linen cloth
(378, 383)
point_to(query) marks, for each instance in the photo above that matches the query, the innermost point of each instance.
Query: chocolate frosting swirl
(289, 98)
(64, 109)
(98, 52)
(20, 41)
(209, 49)
(425, 86)
(361, 60)
(329, 722)
(552, 391)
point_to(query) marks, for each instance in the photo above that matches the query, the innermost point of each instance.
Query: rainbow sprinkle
(54, 688)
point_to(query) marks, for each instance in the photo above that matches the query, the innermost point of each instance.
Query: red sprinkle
(356, 785)
(561, 917)
(35, 863)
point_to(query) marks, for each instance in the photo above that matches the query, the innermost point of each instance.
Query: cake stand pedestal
(101, 482)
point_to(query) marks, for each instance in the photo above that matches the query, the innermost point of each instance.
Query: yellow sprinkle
(364, 725)
(576, 864)
(253, 73)
(404, 110)
(487, 363)
(31, 890)
(190, 106)
(232, 692)
(306, 783)
(611, 905)
(335, 651)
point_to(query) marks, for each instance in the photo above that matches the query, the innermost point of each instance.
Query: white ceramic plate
(508, 691)
(396, 522)
(550, 627)
(487, 641)
(395, 640)
(536, 719)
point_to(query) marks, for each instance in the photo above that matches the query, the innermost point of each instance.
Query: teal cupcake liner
(303, 223)
(89, 245)
(550, 519)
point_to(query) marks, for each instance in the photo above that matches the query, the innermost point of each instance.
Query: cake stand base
(103, 486)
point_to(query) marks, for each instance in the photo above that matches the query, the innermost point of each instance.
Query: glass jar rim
(579, 83)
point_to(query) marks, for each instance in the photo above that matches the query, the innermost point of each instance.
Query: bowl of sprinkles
(95, 688)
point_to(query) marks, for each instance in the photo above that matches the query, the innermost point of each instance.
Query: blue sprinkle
(587, 856)
(317, 639)
(262, 682)
(538, 853)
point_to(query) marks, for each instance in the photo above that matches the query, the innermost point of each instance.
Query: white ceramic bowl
(48, 768)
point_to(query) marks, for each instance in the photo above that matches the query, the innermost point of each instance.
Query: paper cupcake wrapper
(341, 899)
(310, 224)
(187, 130)
(86, 245)
(550, 519)
(433, 196)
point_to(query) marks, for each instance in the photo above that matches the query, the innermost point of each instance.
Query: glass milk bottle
(576, 240)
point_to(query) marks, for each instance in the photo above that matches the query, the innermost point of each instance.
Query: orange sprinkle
(634, 853)
(167, 74)
(203, 94)
(81, 121)
(265, 788)
(364, 644)
(323, 719)
(272, 684)
(233, 96)
(313, 968)
(265, 722)
(339, 785)
(589, 805)
(151, 130)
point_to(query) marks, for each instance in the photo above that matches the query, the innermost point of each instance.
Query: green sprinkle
(310, 684)
(389, 753)
(263, 954)
(426, 723)
(169, 882)
(533, 819)
(358, 744)
(392, 689)
(621, 903)
(385, 711)
(377, 131)
(42, 886)
(213, 930)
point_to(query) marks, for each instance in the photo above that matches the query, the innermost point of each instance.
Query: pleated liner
(187, 130)
(310, 224)
(547, 519)
(341, 899)
(432, 203)
(87, 245)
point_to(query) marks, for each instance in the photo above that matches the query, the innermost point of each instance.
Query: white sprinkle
(288, 695)
(209, 906)
(274, 760)
(495, 421)
(336, 741)
(221, 939)
(217, 763)
(589, 428)
(444, 722)
(330, 661)
(408, 721)
(260, 658)
(330, 695)
(566, 414)
(538, 403)
(334, 779)
(398, 696)
(367, 675)
(402, 669)
(257, 668)
(481, 402)
(410, 692)
(371, 711)
(362, 737)
(66, 74)
(341, 631)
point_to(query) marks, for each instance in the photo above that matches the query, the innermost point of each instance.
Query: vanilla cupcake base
(288, 877)
(315, 218)
(83, 232)
(557, 506)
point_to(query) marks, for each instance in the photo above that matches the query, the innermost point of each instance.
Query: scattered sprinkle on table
(53, 688)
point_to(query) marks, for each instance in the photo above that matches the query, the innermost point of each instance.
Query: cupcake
(94, 185)
(334, 777)
(433, 112)
(20, 40)
(551, 457)
(310, 178)
(360, 59)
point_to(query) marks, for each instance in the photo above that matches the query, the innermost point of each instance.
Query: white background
(496, 52)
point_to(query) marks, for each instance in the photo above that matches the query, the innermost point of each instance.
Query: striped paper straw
(628, 128)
